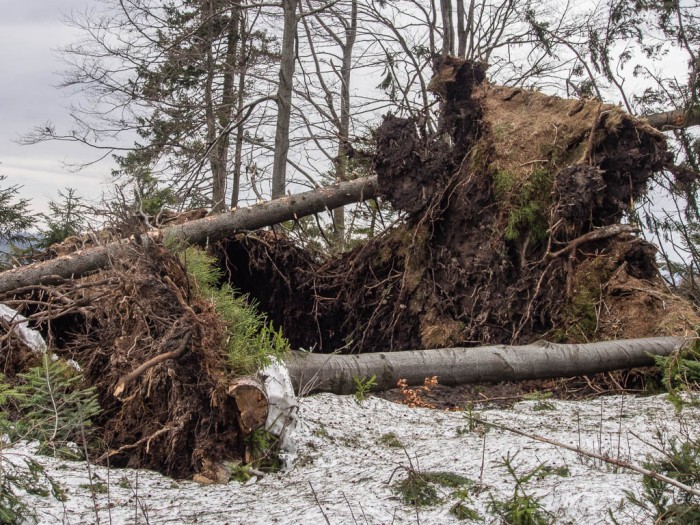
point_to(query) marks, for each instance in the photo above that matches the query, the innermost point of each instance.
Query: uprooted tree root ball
(512, 233)
(174, 417)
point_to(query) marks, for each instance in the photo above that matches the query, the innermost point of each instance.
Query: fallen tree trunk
(200, 231)
(216, 227)
(675, 119)
(485, 364)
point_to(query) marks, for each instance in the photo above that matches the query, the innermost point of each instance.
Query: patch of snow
(345, 467)
(28, 336)
(282, 410)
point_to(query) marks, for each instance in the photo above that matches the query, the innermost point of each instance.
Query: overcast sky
(30, 34)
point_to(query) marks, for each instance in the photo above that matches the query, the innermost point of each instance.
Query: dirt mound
(508, 205)
(175, 416)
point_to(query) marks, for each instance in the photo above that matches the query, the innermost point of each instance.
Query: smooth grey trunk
(341, 171)
(461, 30)
(679, 118)
(202, 231)
(284, 98)
(242, 63)
(448, 34)
(485, 364)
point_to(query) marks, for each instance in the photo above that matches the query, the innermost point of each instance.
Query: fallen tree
(514, 232)
(482, 364)
(201, 231)
(221, 226)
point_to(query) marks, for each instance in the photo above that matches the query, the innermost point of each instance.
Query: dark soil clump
(176, 417)
(507, 394)
(506, 205)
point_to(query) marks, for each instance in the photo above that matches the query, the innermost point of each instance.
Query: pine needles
(250, 340)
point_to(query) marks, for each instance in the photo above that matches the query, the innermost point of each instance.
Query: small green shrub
(418, 489)
(664, 503)
(521, 508)
(98, 487)
(250, 340)
(463, 512)
(18, 474)
(363, 388)
(474, 421)
(66, 217)
(54, 408)
(541, 400)
(681, 374)
(447, 479)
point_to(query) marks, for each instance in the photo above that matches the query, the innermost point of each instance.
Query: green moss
(525, 203)
(579, 318)
(390, 440)
(583, 310)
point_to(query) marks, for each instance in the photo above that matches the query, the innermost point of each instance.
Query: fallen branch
(485, 364)
(595, 235)
(587, 453)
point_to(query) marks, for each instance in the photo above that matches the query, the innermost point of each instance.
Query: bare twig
(594, 455)
(319, 504)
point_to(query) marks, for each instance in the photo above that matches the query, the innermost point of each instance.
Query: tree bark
(674, 119)
(284, 98)
(341, 169)
(486, 364)
(242, 66)
(448, 35)
(209, 229)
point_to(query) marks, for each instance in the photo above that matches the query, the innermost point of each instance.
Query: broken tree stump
(252, 403)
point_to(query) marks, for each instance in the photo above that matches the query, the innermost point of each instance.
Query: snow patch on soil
(345, 467)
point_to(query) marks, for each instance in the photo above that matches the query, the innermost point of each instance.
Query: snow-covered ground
(349, 462)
